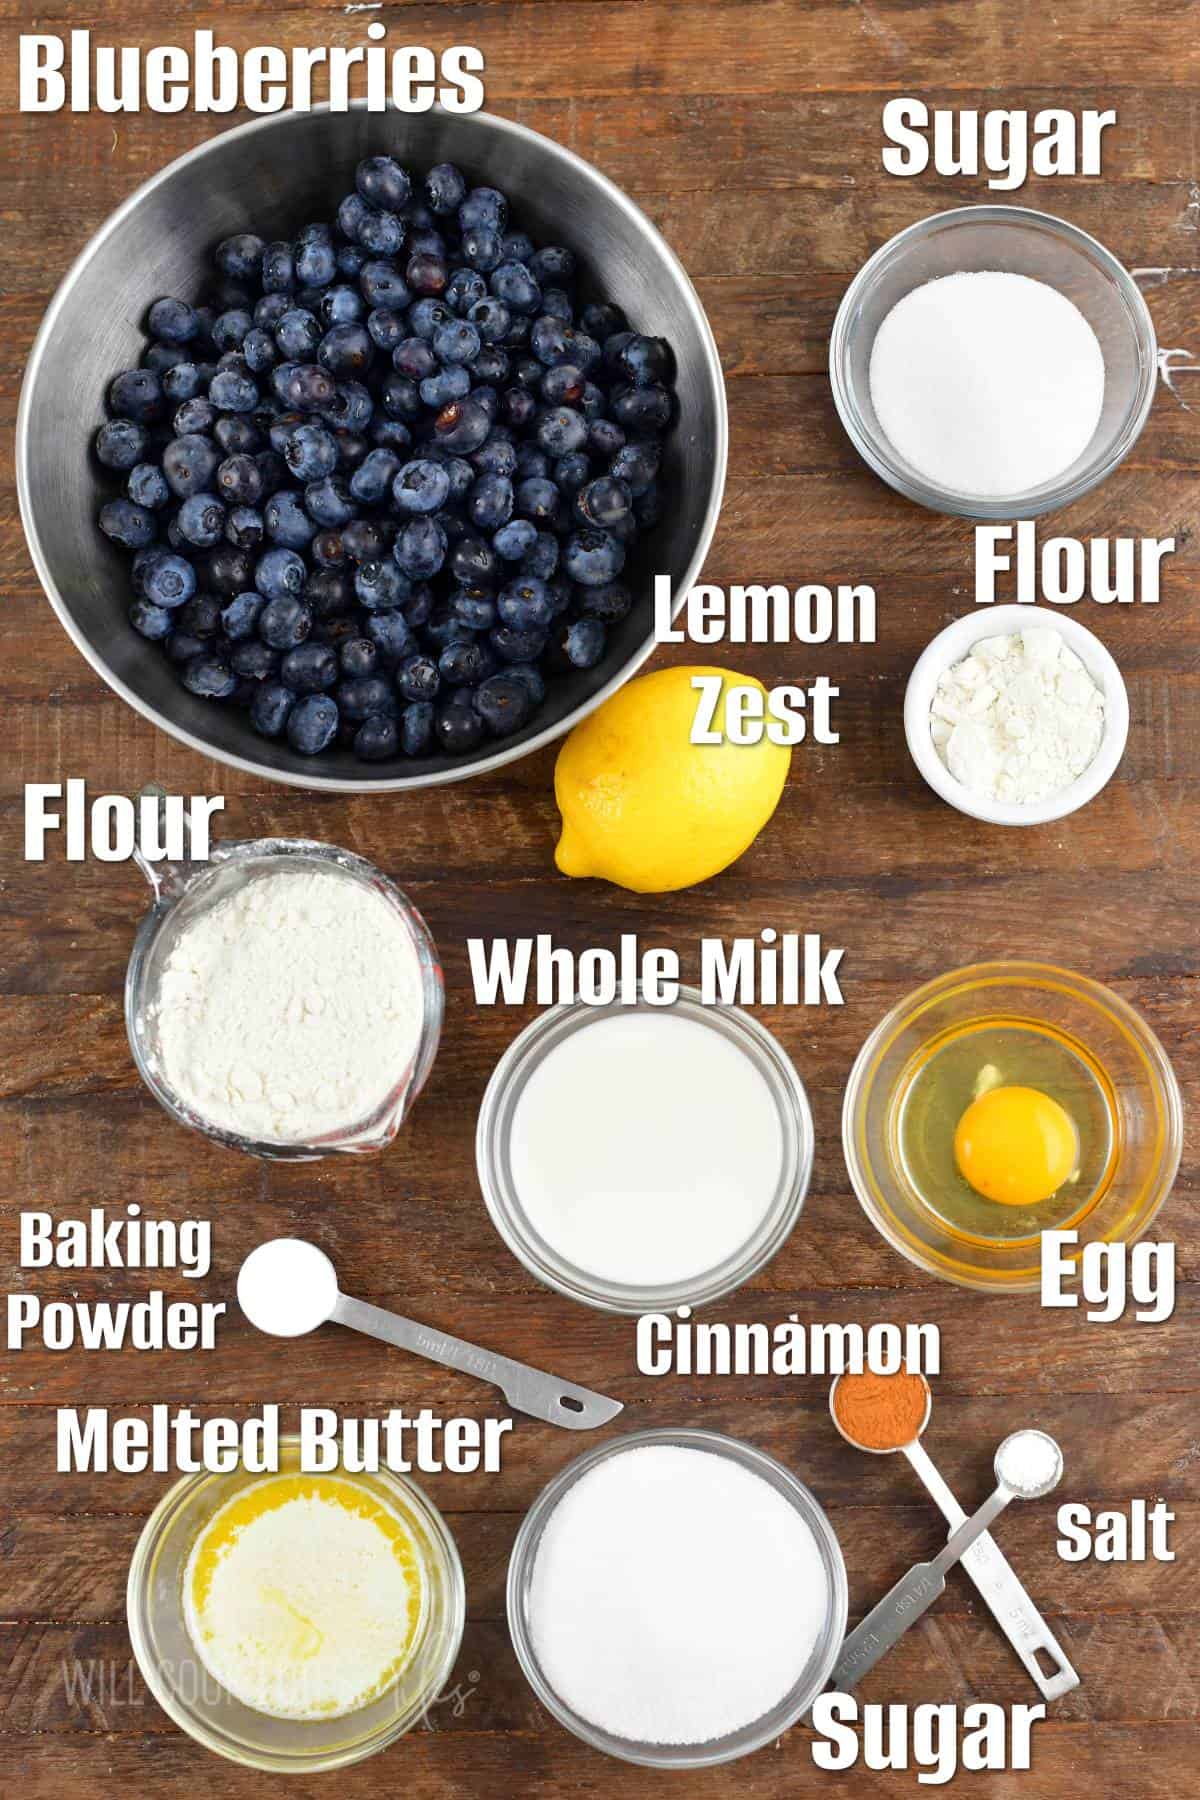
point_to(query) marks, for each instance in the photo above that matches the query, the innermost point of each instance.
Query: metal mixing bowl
(272, 176)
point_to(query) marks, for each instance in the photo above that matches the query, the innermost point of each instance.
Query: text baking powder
(292, 1007)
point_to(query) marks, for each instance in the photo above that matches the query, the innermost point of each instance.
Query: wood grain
(749, 131)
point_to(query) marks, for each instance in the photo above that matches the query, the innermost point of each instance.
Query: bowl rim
(759, 1732)
(954, 642)
(1053, 495)
(315, 781)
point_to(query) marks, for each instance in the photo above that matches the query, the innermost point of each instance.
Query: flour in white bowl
(292, 1007)
(1019, 718)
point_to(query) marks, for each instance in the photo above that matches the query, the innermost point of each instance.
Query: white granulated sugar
(987, 383)
(675, 1597)
(290, 1008)
(1019, 719)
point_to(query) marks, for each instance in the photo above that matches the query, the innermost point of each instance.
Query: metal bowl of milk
(284, 998)
(640, 1158)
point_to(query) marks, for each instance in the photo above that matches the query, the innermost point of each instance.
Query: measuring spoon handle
(998, 1583)
(886, 1624)
(528, 1390)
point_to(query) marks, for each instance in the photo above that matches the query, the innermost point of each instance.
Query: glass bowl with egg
(295, 1623)
(1003, 1100)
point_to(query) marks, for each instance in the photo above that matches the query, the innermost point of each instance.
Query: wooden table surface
(750, 133)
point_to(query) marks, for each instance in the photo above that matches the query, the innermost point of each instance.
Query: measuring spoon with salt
(1028, 1465)
(993, 1575)
(289, 1287)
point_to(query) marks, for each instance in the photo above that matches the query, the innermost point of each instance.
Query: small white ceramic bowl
(951, 646)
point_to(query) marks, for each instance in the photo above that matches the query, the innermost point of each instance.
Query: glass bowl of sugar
(641, 1157)
(993, 362)
(676, 1598)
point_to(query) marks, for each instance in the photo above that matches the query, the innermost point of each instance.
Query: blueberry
(531, 675)
(278, 269)
(418, 678)
(593, 557)
(358, 656)
(287, 522)
(542, 559)
(309, 668)
(537, 499)
(475, 607)
(201, 521)
(519, 407)
(254, 659)
(420, 549)
(400, 398)
(270, 309)
(136, 394)
(570, 473)
(328, 592)
(273, 472)
(346, 350)
(365, 540)
(387, 326)
(548, 341)
(240, 257)
(642, 408)
(636, 465)
(234, 390)
(646, 361)
(240, 618)
(351, 407)
(380, 585)
(557, 305)
(515, 540)
(383, 285)
(465, 289)
(390, 634)
(244, 527)
(473, 562)
(147, 486)
(513, 283)
(605, 437)
(484, 206)
(350, 260)
(462, 426)
(497, 455)
(372, 693)
(352, 210)
(561, 430)
(161, 358)
(200, 617)
(312, 724)
(128, 524)
(382, 182)
(237, 436)
(504, 702)
(259, 351)
(609, 603)
(280, 575)
(445, 386)
(525, 604)
(341, 305)
(209, 677)
(583, 643)
(181, 382)
(373, 478)
(517, 646)
(380, 232)
(416, 728)
(481, 248)
(605, 501)
(457, 341)
(490, 502)
(153, 622)
(444, 189)
(305, 386)
(459, 728)
(421, 486)
(329, 502)
(229, 570)
(165, 580)
(377, 738)
(270, 707)
(316, 262)
(352, 448)
(553, 265)
(298, 334)
(284, 622)
(230, 329)
(239, 480)
(195, 418)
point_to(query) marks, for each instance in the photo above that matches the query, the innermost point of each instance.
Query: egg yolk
(1016, 1145)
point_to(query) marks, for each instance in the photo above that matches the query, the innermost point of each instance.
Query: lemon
(647, 809)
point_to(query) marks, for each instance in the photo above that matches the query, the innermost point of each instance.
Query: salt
(987, 383)
(676, 1596)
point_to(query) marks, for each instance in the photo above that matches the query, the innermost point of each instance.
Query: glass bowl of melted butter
(294, 1622)
(1003, 1101)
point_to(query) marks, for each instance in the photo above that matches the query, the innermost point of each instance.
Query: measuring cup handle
(167, 879)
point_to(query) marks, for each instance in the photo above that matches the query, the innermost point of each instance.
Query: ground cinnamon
(881, 1412)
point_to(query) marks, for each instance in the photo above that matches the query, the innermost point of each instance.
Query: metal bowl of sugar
(1051, 254)
(184, 893)
(823, 1631)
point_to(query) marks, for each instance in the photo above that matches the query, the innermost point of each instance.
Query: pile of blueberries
(383, 486)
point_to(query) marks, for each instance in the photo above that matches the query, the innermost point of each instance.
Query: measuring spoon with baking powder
(1028, 1465)
(288, 1287)
(993, 1575)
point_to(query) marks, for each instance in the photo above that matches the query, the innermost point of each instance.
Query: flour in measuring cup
(291, 1008)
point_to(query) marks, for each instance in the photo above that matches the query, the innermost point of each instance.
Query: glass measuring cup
(993, 1575)
(183, 891)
